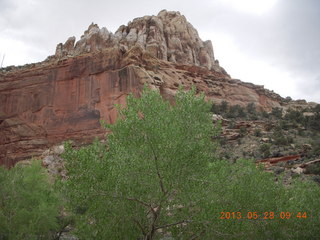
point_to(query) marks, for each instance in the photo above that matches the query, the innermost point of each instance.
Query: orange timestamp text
(263, 215)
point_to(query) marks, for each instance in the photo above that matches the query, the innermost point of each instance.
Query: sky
(275, 43)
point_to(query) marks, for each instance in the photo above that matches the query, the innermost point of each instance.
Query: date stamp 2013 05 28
(263, 215)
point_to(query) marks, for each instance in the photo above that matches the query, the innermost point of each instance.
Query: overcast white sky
(275, 43)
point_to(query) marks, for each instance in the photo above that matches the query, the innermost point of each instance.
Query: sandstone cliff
(66, 96)
(167, 36)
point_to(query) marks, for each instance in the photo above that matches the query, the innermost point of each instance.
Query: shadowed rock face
(66, 96)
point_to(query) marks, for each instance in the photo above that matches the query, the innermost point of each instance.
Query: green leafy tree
(28, 205)
(151, 177)
(157, 175)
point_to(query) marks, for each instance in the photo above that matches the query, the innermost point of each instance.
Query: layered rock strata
(167, 36)
(66, 96)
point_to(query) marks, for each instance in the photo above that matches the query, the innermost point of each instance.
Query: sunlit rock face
(66, 96)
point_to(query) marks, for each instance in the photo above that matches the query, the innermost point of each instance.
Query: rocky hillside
(282, 140)
(66, 96)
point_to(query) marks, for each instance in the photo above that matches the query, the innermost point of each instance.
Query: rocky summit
(167, 36)
(66, 96)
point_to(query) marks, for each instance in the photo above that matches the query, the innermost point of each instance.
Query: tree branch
(155, 158)
(139, 201)
(140, 226)
(128, 198)
(173, 224)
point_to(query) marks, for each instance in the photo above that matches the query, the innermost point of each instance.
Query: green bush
(313, 169)
(242, 131)
(235, 111)
(265, 150)
(295, 116)
(314, 122)
(276, 113)
(264, 114)
(251, 108)
(252, 113)
(221, 109)
(280, 139)
(224, 107)
(257, 132)
(315, 148)
(28, 206)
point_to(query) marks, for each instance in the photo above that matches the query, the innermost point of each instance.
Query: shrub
(252, 113)
(276, 112)
(257, 132)
(280, 139)
(314, 122)
(265, 150)
(242, 131)
(264, 114)
(251, 108)
(295, 116)
(236, 111)
(224, 107)
(313, 169)
(221, 108)
(214, 108)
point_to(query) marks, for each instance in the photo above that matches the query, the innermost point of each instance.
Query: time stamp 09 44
(263, 215)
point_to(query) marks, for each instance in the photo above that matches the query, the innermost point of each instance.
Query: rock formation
(167, 36)
(66, 96)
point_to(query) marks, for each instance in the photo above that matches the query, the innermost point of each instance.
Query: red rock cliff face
(66, 96)
(45, 105)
